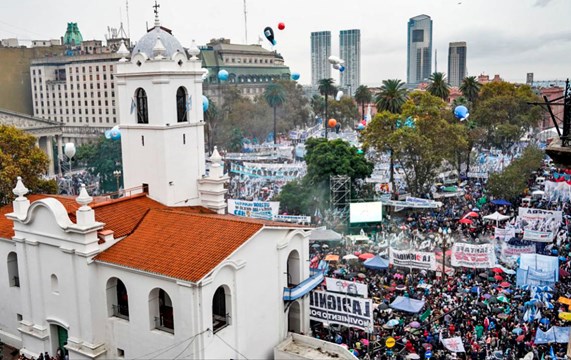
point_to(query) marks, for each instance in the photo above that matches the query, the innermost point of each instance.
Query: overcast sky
(506, 37)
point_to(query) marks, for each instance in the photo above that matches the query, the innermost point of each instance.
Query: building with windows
(250, 67)
(419, 49)
(350, 51)
(457, 52)
(320, 52)
(78, 91)
(161, 272)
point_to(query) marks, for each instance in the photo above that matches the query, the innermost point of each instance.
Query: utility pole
(245, 23)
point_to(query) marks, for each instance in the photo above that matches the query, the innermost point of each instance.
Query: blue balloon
(360, 126)
(461, 112)
(295, 76)
(115, 134)
(108, 134)
(341, 68)
(205, 103)
(223, 75)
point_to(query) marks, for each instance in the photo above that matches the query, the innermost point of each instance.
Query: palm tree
(438, 85)
(275, 96)
(470, 88)
(317, 104)
(391, 97)
(326, 87)
(363, 96)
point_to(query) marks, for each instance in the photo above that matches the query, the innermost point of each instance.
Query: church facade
(163, 273)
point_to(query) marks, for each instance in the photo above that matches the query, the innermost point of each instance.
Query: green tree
(391, 97)
(275, 96)
(511, 183)
(326, 87)
(19, 156)
(345, 111)
(438, 85)
(363, 96)
(504, 113)
(422, 148)
(101, 158)
(317, 105)
(324, 158)
(470, 88)
(294, 112)
(212, 121)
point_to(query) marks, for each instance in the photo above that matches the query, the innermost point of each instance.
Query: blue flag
(552, 353)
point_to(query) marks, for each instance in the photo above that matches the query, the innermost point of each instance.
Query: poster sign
(514, 250)
(477, 175)
(255, 209)
(479, 256)
(298, 219)
(531, 214)
(504, 234)
(346, 287)
(539, 236)
(413, 259)
(454, 344)
(340, 309)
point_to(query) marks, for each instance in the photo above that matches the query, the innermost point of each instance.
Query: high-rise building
(419, 49)
(457, 52)
(320, 52)
(350, 51)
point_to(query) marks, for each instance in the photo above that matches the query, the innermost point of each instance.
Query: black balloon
(269, 33)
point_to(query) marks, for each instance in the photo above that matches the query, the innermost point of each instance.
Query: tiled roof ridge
(115, 201)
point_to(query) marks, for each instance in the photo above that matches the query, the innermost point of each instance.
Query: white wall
(10, 298)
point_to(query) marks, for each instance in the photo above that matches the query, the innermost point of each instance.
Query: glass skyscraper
(419, 49)
(350, 51)
(320, 52)
(456, 63)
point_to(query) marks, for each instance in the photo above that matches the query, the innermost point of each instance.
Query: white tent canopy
(324, 235)
(496, 217)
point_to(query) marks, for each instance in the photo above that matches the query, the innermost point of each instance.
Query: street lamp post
(69, 151)
(117, 174)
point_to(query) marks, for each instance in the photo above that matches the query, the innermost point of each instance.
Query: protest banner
(504, 234)
(479, 256)
(516, 250)
(346, 287)
(255, 209)
(531, 214)
(539, 236)
(327, 307)
(413, 259)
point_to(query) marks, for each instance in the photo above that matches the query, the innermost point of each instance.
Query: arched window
(293, 268)
(55, 284)
(221, 308)
(117, 299)
(181, 110)
(161, 310)
(13, 275)
(142, 108)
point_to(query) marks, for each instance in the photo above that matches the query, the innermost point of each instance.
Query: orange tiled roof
(179, 244)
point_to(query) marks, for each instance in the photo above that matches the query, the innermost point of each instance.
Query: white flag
(454, 344)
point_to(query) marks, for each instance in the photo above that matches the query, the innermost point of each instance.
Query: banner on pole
(413, 259)
(531, 214)
(479, 256)
(327, 307)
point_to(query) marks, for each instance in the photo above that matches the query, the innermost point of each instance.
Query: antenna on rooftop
(128, 23)
(245, 23)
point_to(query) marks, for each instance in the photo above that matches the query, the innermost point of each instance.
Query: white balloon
(334, 59)
(336, 66)
(339, 95)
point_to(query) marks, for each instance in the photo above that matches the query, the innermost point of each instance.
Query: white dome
(147, 43)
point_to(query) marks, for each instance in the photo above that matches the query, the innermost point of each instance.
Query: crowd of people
(483, 307)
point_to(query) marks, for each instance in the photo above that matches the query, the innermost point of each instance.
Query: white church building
(163, 273)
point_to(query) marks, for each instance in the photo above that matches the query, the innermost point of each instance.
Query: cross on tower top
(156, 11)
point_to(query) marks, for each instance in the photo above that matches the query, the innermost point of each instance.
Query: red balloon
(281, 26)
(364, 122)
(332, 123)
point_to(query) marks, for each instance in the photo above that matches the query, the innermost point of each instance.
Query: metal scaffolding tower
(340, 195)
